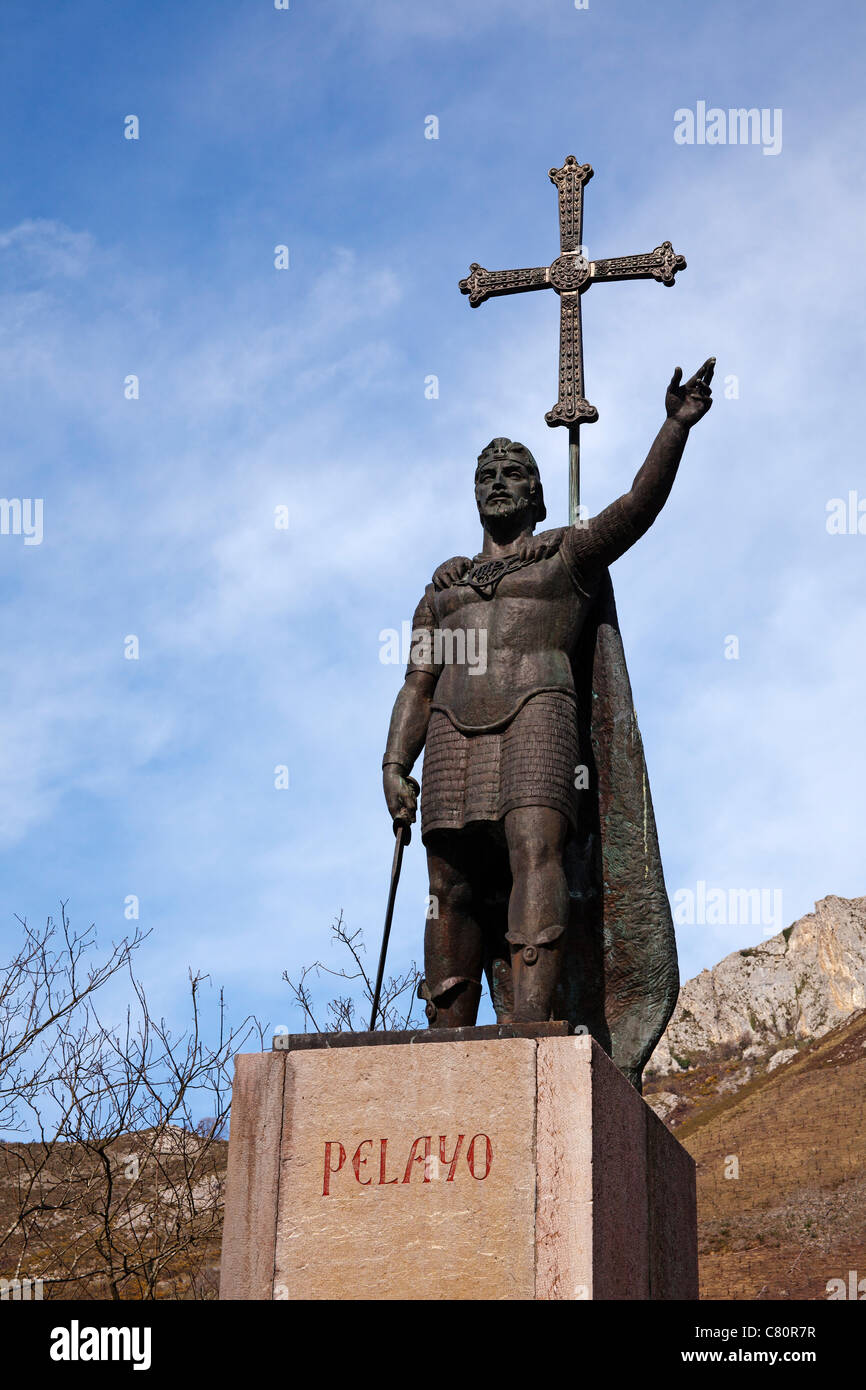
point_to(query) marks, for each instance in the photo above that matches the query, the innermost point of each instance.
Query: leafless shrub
(120, 1196)
(350, 1012)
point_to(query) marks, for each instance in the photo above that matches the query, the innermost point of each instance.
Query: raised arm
(605, 537)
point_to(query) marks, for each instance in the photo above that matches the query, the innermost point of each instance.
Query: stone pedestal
(482, 1167)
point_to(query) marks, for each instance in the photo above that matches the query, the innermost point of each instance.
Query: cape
(620, 977)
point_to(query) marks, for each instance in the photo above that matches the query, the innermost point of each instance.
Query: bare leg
(538, 907)
(453, 938)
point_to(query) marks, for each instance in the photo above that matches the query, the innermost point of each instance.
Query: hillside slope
(781, 1167)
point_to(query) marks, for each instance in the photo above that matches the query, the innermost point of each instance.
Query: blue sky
(305, 388)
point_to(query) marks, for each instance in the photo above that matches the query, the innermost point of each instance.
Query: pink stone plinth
(513, 1168)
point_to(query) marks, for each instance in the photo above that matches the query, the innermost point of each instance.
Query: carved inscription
(371, 1165)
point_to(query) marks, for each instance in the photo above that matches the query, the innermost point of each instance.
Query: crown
(502, 448)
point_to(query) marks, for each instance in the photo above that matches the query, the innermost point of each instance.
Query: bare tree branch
(121, 1194)
(397, 1003)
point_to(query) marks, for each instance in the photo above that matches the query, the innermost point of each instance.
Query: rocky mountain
(770, 998)
(761, 1074)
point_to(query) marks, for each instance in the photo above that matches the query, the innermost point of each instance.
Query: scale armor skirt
(469, 778)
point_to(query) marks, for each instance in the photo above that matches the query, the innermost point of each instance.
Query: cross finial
(570, 181)
(570, 275)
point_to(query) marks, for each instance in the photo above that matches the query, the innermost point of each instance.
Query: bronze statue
(505, 747)
(545, 872)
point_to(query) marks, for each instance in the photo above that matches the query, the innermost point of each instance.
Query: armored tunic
(481, 777)
(501, 645)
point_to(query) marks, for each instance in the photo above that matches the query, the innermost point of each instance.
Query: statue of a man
(520, 885)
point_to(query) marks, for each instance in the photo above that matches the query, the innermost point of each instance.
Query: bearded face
(504, 491)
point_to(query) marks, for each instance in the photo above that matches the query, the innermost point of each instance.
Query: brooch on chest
(484, 575)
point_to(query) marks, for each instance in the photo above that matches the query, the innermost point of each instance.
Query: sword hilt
(401, 820)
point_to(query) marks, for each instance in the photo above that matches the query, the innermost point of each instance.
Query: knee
(450, 891)
(532, 852)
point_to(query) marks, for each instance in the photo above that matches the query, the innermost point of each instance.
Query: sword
(403, 832)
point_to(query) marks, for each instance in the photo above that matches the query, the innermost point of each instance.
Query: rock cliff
(797, 985)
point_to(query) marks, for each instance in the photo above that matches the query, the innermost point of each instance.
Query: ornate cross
(571, 274)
